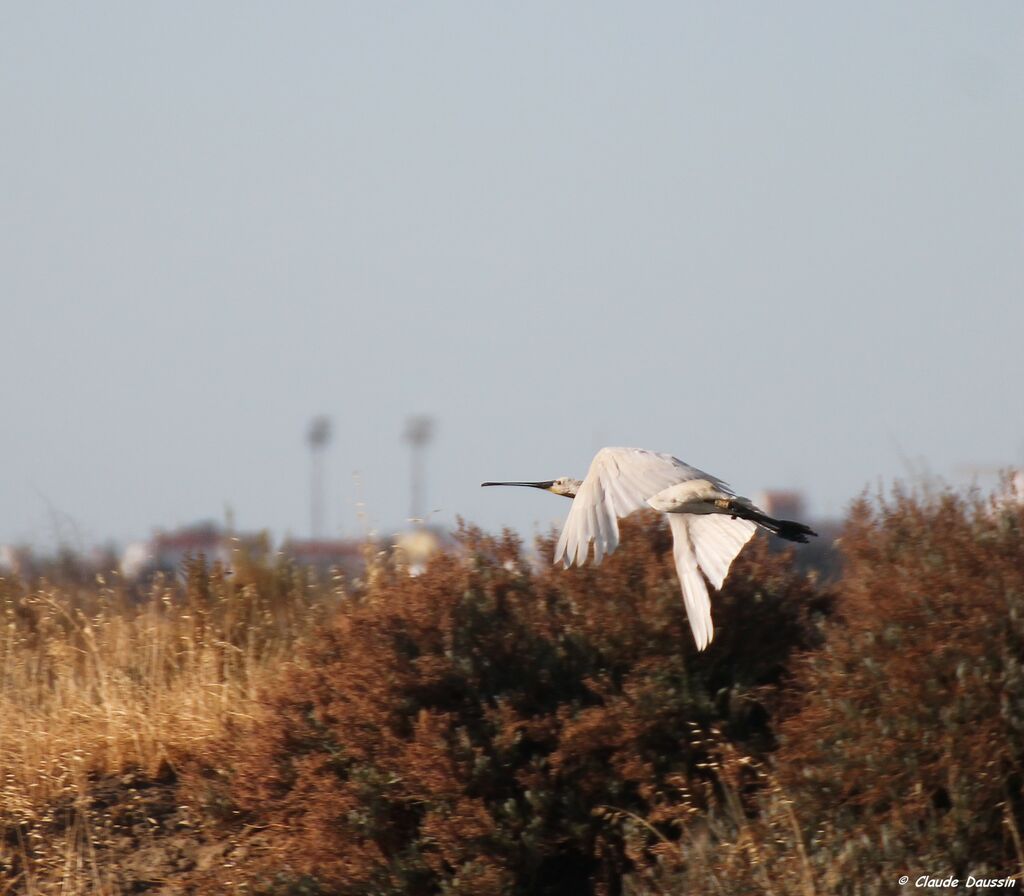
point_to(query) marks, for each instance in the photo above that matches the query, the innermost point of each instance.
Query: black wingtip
(793, 531)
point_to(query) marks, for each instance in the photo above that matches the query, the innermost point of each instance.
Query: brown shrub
(910, 742)
(903, 752)
(487, 728)
(460, 731)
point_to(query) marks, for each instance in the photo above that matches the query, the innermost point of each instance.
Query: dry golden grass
(487, 728)
(98, 681)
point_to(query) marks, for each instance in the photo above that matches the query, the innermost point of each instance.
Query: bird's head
(565, 486)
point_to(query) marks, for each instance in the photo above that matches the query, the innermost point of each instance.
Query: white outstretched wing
(695, 591)
(709, 543)
(717, 539)
(619, 481)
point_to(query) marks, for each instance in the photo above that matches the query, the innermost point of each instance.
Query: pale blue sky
(783, 241)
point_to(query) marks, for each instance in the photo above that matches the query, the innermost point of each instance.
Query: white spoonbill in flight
(710, 523)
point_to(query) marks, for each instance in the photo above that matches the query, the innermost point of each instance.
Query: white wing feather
(695, 591)
(708, 544)
(717, 539)
(619, 481)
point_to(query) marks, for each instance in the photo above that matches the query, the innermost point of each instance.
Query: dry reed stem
(97, 682)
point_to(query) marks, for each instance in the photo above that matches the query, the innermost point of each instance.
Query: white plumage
(710, 523)
(621, 481)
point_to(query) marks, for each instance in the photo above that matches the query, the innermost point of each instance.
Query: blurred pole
(418, 432)
(318, 436)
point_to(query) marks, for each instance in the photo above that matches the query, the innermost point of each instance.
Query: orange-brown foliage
(460, 731)
(911, 739)
(901, 747)
(489, 728)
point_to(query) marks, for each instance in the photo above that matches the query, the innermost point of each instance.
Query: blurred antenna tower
(318, 435)
(419, 431)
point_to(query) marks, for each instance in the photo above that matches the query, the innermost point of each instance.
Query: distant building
(416, 546)
(327, 555)
(136, 558)
(64, 565)
(1010, 493)
(16, 561)
(168, 551)
(783, 504)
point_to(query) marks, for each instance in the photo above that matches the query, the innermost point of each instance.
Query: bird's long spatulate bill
(545, 485)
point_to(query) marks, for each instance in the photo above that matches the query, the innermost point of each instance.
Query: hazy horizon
(784, 244)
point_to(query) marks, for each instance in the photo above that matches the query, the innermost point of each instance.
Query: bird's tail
(788, 529)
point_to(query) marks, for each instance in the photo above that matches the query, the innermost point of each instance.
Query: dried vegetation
(492, 728)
